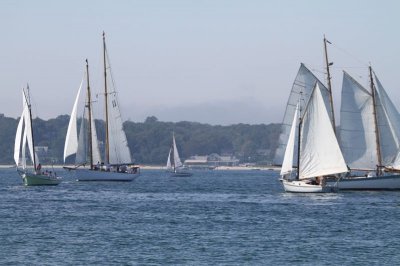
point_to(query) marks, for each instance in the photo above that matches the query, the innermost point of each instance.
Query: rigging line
(350, 54)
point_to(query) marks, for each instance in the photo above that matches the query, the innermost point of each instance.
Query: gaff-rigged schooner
(117, 164)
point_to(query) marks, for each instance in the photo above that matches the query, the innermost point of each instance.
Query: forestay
(319, 149)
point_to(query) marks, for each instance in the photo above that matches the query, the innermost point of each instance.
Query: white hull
(96, 175)
(298, 186)
(389, 182)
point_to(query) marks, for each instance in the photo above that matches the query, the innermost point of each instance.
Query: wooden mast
(89, 104)
(107, 144)
(377, 135)
(27, 99)
(329, 84)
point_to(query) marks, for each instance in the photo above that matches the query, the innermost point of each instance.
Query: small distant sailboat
(35, 176)
(174, 163)
(319, 155)
(117, 164)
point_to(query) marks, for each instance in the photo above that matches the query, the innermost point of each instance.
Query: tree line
(150, 141)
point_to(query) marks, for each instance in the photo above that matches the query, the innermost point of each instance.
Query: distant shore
(160, 167)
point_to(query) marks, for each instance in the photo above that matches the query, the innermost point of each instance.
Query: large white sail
(357, 126)
(177, 160)
(287, 165)
(388, 124)
(300, 93)
(71, 140)
(319, 149)
(119, 150)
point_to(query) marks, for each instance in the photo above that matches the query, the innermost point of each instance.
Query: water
(211, 218)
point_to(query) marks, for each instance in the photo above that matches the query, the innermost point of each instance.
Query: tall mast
(27, 99)
(299, 135)
(107, 148)
(377, 135)
(329, 84)
(89, 104)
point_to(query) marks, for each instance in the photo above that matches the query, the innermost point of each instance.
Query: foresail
(319, 152)
(287, 165)
(169, 166)
(95, 143)
(81, 153)
(389, 126)
(71, 139)
(18, 136)
(357, 126)
(301, 91)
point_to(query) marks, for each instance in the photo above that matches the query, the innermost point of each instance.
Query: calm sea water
(211, 218)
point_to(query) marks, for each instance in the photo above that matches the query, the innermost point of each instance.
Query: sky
(209, 61)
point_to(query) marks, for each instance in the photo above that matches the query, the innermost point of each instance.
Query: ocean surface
(211, 218)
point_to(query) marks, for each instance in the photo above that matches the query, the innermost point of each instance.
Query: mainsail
(359, 136)
(357, 126)
(177, 160)
(300, 93)
(319, 149)
(118, 149)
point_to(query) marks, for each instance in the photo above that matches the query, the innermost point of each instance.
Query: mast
(90, 117)
(329, 84)
(377, 135)
(298, 148)
(27, 99)
(107, 148)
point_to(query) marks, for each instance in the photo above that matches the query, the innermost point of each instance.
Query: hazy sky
(218, 62)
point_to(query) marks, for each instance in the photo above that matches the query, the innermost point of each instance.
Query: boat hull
(31, 179)
(181, 174)
(389, 182)
(298, 186)
(96, 175)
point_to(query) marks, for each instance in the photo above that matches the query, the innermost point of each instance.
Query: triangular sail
(300, 93)
(177, 160)
(389, 126)
(357, 126)
(71, 140)
(287, 165)
(18, 136)
(82, 152)
(319, 151)
(28, 127)
(95, 143)
(118, 144)
(169, 165)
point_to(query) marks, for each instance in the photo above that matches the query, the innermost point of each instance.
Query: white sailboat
(370, 136)
(117, 164)
(35, 176)
(319, 155)
(174, 164)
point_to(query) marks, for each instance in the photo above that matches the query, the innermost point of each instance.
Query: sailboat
(370, 136)
(35, 176)
(174, 163)
(117, 164)
(319, 155)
